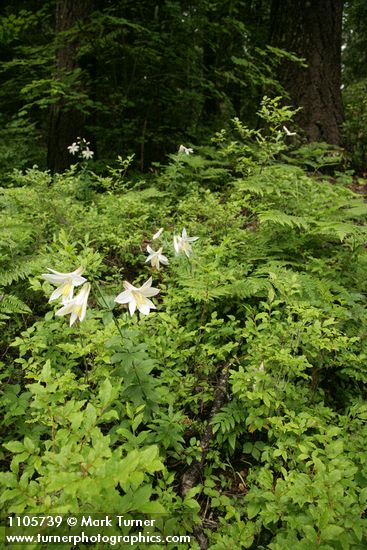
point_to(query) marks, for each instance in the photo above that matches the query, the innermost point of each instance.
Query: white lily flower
(87, 153)
(77, 306)
(182, 243)
(186, 150)
(73, 148)
(158, 234)
(156, 258)
(138, 297)
(288, 132)
(65, 283)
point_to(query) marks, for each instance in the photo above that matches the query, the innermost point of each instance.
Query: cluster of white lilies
(137, 298)
(80, 147)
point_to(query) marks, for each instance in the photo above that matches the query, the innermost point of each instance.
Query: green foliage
(20, 144)
(26, 56)
(316, 156)
(355, 98)
(110, 413)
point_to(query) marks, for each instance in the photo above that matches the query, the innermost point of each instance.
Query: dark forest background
(144, 77)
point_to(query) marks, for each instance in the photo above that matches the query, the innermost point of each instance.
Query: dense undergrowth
(114, 416)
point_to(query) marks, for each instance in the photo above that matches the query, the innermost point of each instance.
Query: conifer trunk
(66, 122)
(312, 29)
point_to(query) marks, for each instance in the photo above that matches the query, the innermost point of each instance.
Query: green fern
(339, 230)
(249, 286)
(12, 304)
(281, 218)
(17, 272)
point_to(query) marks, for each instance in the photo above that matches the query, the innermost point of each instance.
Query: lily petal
(132, 306)
(158, 234)
(73, 318)
(123, 297)
(56, 293)
(145, 308)
(149, 292)
(129, 286)
(147, 283)
(65, 310)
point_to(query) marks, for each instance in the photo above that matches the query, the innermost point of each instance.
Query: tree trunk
(66, 122)
(312, 29)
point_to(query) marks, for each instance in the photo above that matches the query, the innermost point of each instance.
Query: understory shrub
(108, 415)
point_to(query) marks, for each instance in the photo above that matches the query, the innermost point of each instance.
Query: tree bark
(66, 122)
(312, 29)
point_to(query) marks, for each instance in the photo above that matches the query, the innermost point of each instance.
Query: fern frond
(355, 212)
(336, 229)
(12, 304)
(204, 290)
(249, 286)
(281, 218)
(17, 272)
